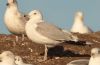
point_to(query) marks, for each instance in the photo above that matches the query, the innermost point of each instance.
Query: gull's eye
(7, 4)
(35, 13)
(99, 51)
(25, 15)
(14, 1)
(18, 59)
(0, 60)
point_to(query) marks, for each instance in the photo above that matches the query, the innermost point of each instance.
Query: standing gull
(94, 59)
(79, 26)
(42, 32)
(7, 58)
(19, 61)
(14, 20)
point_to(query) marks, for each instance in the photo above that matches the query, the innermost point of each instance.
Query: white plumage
(42, 32)
(7, 58)
(13, 19)
(95, 57)
(79, 62)
(79, 26)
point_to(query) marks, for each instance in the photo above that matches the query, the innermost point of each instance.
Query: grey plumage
(79, 62)
(42, 32)
(53, 32)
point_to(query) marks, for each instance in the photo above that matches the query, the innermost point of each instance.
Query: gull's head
(6, 55)
(79, 15)
(35, 14)
(95, 51)
(18, 60)
(11, 2)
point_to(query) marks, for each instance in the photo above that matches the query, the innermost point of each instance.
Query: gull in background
(19, 61)
(7, 58)
(14, 20)
(42, 32)
(79, 26)
(94, 59)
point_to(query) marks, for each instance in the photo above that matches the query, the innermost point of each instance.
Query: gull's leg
(23, 37)
(46, 52)
(45, 55)
(16, 38)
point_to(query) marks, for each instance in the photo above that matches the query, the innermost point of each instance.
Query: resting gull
(7, 58)
(42, 32)
(94, 59)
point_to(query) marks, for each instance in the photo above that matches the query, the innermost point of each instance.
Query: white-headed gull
(14, 20)
(94, 59)
(79, 26)
(42, 32)
(7, 58)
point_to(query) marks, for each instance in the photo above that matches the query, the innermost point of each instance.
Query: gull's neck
(78, 21)
(33, 20)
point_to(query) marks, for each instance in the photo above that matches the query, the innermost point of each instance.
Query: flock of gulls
(39, 31)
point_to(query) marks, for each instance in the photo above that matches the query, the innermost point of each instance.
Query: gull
(7, 58)
(45, 33)
(14, 20)
(19, 61)
(79, 62)
(79, 26)
(94, 59)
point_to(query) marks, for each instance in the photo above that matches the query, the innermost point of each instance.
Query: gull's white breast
(36, 36)
(13, 21)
